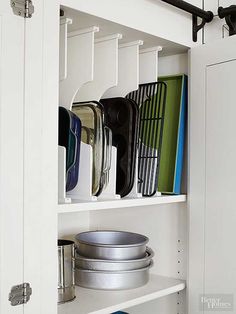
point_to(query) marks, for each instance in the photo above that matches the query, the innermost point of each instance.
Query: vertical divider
(80, 64)
(105, 77)
(148, 65)
(148, 62)
(62, 176)
(128, 80)
(83, 189)
(80, 70)
(63, 47)
(110, 190)
(128, 70)
(148, 73)
(134, 192)
(105, 69)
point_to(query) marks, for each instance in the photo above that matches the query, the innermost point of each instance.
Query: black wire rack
(151, 99)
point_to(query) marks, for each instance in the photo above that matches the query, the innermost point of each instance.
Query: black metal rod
(223, 12)
(207, 16)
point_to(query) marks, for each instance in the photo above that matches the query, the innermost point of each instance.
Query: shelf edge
(122, 203)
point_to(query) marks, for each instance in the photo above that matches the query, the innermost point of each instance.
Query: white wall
(171, 65)
(217, 29)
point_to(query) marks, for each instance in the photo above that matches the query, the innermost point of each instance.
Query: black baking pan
(121, 116)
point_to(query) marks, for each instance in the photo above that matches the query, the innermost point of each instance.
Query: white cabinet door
(40, 155)
(11, 154)
(212, 217)
(28, 155)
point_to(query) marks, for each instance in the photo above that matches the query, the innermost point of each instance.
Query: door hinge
(20, 294)
(22, 8)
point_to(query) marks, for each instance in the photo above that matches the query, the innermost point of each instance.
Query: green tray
(171, 163)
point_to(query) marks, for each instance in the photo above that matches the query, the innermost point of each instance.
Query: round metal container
(111, 245)
(66, 275)
(108, 265)
(111, 280)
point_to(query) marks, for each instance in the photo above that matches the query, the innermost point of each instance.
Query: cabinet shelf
(105, 302)
(121, 203)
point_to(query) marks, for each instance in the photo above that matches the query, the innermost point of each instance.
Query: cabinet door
(40, 155)
(212, 217)
(11, 154)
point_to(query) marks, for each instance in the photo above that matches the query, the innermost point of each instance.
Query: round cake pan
(111, 245)
(108, 265)
(109, 280)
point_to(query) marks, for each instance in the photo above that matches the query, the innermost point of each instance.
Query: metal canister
(66, 271)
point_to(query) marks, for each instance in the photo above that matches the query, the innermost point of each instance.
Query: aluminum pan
(111, 238)
(110, 265)
(111, 280)
(111, 245)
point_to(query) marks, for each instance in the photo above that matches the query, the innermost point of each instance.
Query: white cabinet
(182, 234)
(212, 172)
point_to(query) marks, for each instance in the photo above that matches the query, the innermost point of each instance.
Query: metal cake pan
(111, 280)
(109, 265)
(111, 245)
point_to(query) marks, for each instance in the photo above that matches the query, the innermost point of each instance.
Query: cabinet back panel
(174, 303)
(165, 225)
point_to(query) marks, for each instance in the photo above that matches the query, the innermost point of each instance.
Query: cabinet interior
(164, 224)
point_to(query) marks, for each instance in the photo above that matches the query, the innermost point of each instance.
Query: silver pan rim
(116, 272)
(80, 241)
(149, 255)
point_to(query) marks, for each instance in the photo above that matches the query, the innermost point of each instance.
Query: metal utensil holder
(66, 271)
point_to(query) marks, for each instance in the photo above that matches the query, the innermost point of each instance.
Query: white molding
(93, 29)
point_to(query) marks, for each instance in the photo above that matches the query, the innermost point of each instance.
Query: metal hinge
(22, 8)
(20, 294)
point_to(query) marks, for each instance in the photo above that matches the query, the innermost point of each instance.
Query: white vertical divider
(62, 176)
(80, 70)
(110, 190)
(148, 65)
(128, 70)
(83, 189)
(80, 64)
(64, 22)
(128, 80)
(105, 69)
(134, 192)
(105, 77)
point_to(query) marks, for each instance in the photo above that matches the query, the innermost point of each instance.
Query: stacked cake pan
(112, 260)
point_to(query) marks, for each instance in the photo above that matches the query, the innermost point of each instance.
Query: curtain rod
(206, 16)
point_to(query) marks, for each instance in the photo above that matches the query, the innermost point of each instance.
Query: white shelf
(121, 203)
(105, 302)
